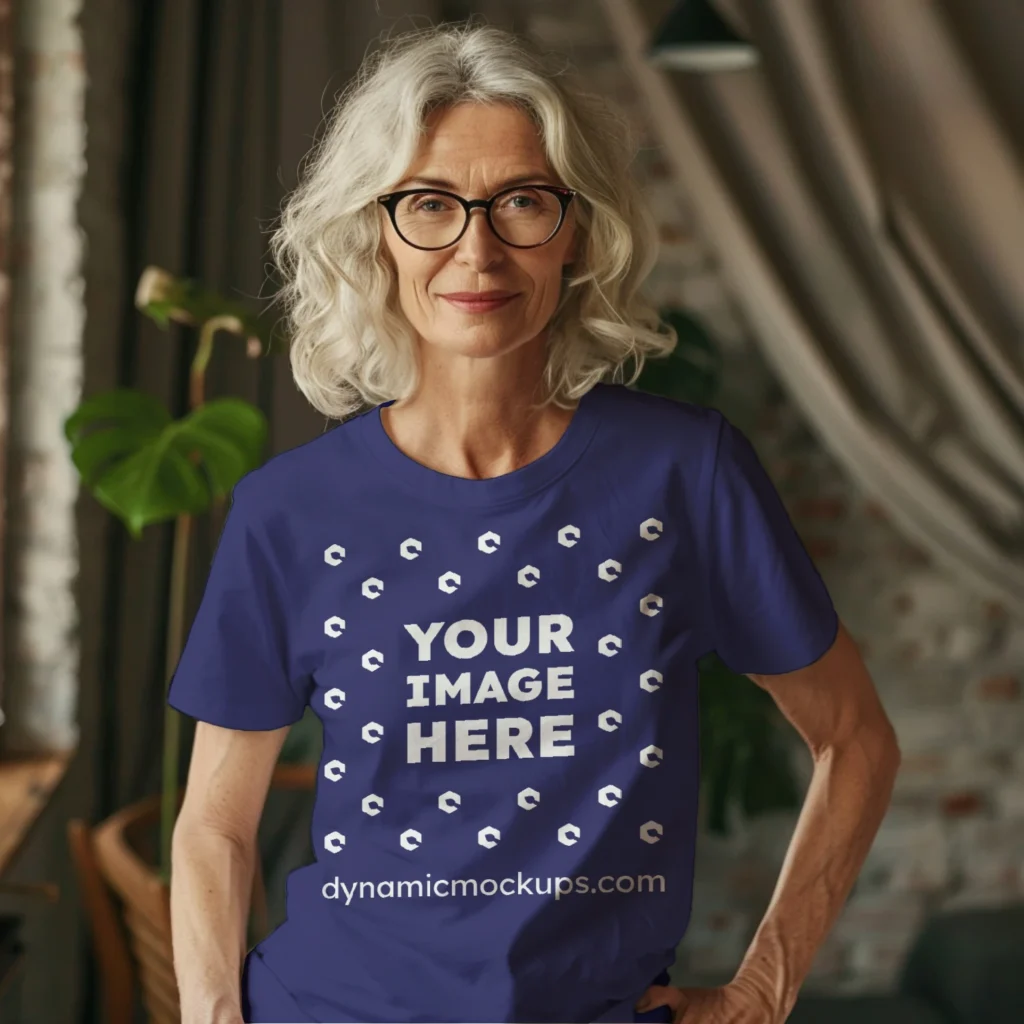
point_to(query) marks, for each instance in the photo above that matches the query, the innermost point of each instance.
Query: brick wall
(948, 662)
(46, 363)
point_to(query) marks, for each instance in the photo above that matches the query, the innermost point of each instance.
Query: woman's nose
(479, 243)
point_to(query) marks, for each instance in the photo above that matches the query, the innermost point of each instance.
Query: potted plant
(146, 467)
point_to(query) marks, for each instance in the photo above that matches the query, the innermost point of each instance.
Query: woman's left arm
(834, 706)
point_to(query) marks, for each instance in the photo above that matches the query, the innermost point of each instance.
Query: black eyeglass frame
(390, 203)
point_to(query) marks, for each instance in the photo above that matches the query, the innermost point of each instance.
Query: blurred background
(840, 191)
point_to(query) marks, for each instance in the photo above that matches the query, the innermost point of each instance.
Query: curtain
(199, 113)
(863, 187)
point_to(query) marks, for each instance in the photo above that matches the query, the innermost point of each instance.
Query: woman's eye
(430, 204)
(520, 201)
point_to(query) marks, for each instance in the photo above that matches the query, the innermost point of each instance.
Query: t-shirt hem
(797, 662)
(243, 725)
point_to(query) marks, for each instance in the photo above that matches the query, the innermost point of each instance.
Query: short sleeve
(234, 668)
(770, 612)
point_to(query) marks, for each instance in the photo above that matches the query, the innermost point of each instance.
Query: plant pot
(122, 844)
(126, 850)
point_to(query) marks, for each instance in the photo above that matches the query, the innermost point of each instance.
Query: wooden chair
(133, 940)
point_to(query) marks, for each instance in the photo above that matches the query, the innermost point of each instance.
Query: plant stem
(204, 350)
(178, 596)
(172, 720)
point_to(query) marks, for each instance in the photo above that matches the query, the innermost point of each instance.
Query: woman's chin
(476, 340)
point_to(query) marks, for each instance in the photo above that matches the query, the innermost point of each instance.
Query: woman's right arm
(212, 862)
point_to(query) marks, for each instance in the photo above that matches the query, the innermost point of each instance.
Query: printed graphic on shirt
(460, 711)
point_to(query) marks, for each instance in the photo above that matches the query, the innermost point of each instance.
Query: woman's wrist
(219, 1009)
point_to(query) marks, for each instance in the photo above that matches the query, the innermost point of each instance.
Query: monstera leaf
(146, 467)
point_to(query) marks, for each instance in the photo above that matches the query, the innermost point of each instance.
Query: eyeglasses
(524, 217)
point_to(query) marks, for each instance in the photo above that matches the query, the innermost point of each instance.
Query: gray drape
(863, 187)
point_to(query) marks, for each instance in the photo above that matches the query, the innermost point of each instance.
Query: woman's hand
(735, 1003)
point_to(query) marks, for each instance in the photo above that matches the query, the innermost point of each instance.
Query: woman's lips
(477, 306)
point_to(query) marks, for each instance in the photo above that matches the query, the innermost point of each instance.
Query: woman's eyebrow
(538, 178)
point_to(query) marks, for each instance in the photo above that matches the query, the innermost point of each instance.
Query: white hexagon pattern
(651, 756)
(334, 698)
(651, 831)
(651, 529)
(410, 548)
(334, 555)
(449, 582)
(449, 801)
(488, 542)
(528, 798)
(410, 839)
(568, 835)
(528, 576)
(488, 837)
(651, 680)
(568, 536)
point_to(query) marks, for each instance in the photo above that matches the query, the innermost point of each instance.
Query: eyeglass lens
(523, 217)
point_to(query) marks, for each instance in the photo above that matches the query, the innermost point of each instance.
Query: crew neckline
(444, 488)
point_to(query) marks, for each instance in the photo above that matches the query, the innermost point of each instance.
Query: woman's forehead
(481, 131)
(453, 182)
(486, 158)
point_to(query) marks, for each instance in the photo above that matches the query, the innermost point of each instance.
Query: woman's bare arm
(835, 708)
(212, 863)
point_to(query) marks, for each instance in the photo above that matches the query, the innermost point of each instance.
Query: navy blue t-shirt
(505, 670)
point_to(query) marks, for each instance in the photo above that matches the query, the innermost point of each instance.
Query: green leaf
(159, 312)
(145, 467)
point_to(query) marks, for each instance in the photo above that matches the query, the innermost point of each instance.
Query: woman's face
(477, 149)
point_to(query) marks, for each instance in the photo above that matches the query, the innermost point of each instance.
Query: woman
(493, 588)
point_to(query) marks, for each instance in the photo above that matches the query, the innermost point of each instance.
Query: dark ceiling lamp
(694, 38)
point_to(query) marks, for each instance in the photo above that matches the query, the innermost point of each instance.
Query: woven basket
(125, 846)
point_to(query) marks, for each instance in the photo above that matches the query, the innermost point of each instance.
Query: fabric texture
(265, 1000)
(862, 187)
(506, 673)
